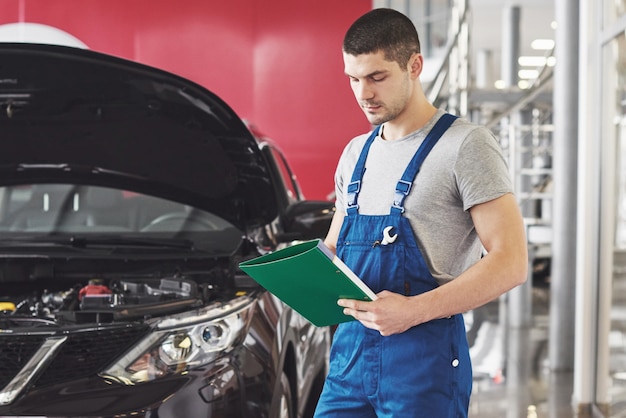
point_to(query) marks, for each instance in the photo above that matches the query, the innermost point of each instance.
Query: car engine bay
(103, 301)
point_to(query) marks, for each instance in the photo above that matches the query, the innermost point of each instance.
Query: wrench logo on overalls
(387, 238)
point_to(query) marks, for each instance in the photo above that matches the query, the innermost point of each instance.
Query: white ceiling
(488, 23)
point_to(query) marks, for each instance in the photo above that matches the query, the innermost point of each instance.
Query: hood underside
(73, 115)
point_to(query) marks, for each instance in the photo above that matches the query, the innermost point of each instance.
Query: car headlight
(180, 342)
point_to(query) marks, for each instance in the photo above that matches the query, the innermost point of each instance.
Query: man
(412, 221)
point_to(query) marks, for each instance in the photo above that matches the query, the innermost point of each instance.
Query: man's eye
(377, 79)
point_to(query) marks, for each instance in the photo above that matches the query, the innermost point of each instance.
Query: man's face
(381, 87)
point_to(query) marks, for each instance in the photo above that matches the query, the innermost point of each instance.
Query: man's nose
(363, 92)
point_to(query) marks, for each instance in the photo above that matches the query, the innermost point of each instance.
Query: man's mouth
(371, 107)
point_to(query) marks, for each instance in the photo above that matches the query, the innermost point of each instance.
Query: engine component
(95, 287)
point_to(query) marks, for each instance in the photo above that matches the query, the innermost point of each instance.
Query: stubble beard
(389, 112)
(386, 116)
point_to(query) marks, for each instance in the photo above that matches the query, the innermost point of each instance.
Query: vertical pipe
(518, 373)
(607, 228)
(520, 304)
(484, 73)
(588, 199)
(520, 298)
(510, 45)
(454, 61)
(565, 165)
(464, 50)
(427, 45)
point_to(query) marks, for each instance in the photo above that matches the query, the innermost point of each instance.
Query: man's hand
(391, 313)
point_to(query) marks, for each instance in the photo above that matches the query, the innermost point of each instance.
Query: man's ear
(416, 64)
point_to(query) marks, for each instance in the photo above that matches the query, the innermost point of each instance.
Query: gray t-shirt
(464, 169)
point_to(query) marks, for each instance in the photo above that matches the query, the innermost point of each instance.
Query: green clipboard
(310, 279)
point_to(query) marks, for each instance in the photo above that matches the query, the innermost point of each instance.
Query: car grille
(15, 351)
(84, 353)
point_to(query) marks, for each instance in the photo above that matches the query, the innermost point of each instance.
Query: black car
(128, 197)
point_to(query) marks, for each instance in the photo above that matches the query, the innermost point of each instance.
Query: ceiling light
(499, 84)
(532, 61)
(528, 74)
(542, 44)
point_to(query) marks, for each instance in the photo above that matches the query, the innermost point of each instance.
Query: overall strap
(403, 187)
(355, 183)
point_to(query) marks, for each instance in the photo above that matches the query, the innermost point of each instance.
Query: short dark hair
(385, 30)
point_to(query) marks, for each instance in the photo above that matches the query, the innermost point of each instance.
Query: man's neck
(411, 121)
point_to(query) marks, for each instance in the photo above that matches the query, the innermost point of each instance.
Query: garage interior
(547, 76)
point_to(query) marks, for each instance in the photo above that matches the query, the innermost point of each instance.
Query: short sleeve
(480, 169)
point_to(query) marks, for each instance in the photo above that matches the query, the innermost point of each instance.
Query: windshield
(89, 211)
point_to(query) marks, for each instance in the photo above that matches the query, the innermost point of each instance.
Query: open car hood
(78, 116)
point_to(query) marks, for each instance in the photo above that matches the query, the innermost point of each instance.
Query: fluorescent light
(542, 44)
(523, 84)
(532, 61)
(528, 74)
(499, 84)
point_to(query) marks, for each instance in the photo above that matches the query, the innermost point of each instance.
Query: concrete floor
(511, 374)
(511, 377)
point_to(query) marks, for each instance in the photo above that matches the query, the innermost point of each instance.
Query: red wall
(277, 63)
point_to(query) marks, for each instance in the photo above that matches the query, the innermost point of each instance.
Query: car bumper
(222, 388)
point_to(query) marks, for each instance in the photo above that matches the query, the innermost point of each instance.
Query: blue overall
(424, 372)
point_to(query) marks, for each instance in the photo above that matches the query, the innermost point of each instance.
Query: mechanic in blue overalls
(426, 217)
